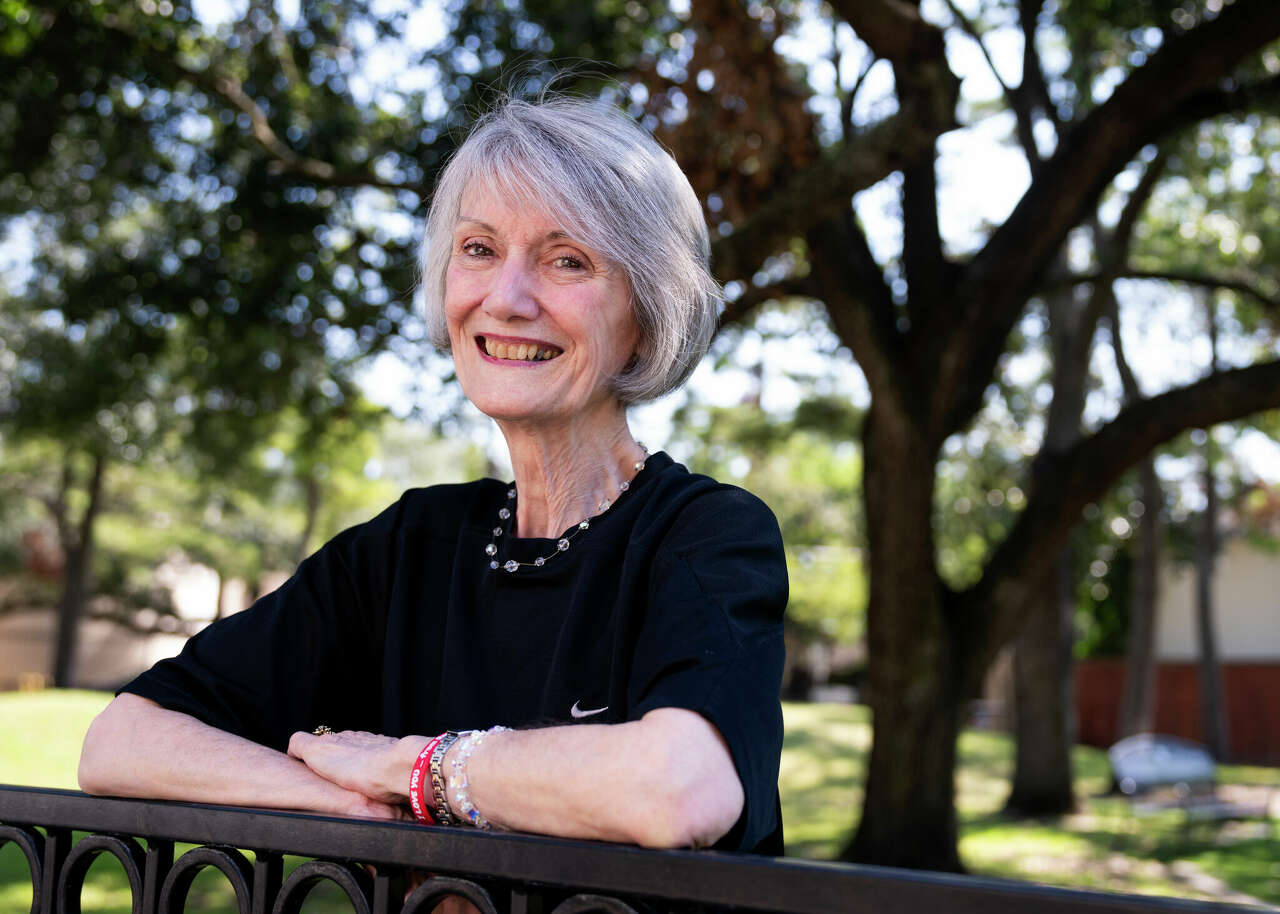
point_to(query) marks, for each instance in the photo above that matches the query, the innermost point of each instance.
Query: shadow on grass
(1106, 847)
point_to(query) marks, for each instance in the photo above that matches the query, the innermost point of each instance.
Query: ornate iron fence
(498, 873)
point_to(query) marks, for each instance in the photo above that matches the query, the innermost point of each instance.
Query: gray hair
(617, 190)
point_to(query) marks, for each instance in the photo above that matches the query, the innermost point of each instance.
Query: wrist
(460, 784)
(395, 774)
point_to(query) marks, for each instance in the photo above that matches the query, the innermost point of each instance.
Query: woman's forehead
(496, 201)
(501, 210)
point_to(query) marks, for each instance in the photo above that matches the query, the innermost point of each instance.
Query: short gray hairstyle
(617, 190)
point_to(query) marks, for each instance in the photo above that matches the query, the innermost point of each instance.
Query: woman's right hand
(360, 806)
(370, 764)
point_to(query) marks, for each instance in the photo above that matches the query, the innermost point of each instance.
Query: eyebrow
(554, 235)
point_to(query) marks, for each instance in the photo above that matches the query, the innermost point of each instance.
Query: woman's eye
(568, 262)
(476, 249)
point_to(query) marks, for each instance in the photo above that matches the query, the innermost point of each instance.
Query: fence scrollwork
(354, 881)
(437, 888)
(125, 849)
(29, 841)
(227, 860)
(584, 903)
(519, 874)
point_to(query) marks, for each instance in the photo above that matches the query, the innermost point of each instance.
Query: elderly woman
(620, 615)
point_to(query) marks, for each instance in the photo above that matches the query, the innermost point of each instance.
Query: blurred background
(998, 348)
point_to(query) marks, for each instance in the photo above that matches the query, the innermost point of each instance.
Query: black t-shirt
(672, 598)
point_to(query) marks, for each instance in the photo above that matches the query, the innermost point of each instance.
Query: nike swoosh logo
(577, 712)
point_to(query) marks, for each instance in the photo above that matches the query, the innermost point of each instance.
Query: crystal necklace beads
(506, 512)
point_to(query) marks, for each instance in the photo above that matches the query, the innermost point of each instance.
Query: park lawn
(823, 763)
(1101, 847)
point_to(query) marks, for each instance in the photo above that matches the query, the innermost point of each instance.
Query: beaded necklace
(506, 512)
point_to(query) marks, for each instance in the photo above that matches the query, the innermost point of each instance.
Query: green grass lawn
(1100, 847)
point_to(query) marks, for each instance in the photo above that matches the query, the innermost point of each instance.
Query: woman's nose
(511, 296)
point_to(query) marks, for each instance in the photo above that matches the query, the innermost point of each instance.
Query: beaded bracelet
(459, 782)
(443, 815)
(417, 782)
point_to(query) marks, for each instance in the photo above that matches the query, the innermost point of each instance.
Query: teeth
(521, 352)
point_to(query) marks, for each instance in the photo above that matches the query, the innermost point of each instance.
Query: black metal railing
(516, 874)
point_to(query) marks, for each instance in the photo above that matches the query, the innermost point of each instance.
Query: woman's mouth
(517, 350)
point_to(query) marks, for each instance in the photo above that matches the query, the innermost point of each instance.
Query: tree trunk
(1138, 701)
(915, 689)
(1044, 710)
(75, 581)
(1043, 665)
(312, 492)
(1213, 718)
(218, 600)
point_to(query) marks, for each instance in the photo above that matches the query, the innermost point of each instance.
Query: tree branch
(232, 91)
(967, 26)
(926, 269)
(1033, 82)
(1111, 248)
(754, 296)
(893, 29)
(846, 104)
(927, 90)
(1016, 100)
(1204, 280)
(56, 504)
(823, 190)
(1256, 95)
(861, 311)
(1128, 380)
(1118, 240)
(998, 281)
(1061, 487)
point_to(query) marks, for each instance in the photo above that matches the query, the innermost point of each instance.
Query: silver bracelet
(443, 816)
(458, 780)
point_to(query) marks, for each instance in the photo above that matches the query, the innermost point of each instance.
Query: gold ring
(322, 730)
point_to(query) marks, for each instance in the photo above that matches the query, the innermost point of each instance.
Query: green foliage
(1108, 38)
(181, 276)
(242, 525)
(828, 593)
(977, 494)
(809, 473)
(1102, 550)
(1214, 218)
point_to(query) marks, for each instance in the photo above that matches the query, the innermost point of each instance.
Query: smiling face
(538, 322)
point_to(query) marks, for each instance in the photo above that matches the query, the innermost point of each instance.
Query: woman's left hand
(372, 764)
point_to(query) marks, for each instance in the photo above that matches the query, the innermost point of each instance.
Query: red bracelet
(418, 781)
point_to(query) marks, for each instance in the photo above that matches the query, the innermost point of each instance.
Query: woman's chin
(507, 409)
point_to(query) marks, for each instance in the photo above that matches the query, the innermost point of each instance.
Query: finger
(300, 743)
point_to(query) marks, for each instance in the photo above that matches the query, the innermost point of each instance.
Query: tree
(192, 273)
(929, 331)
(1044, 717)
(1213, 717)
